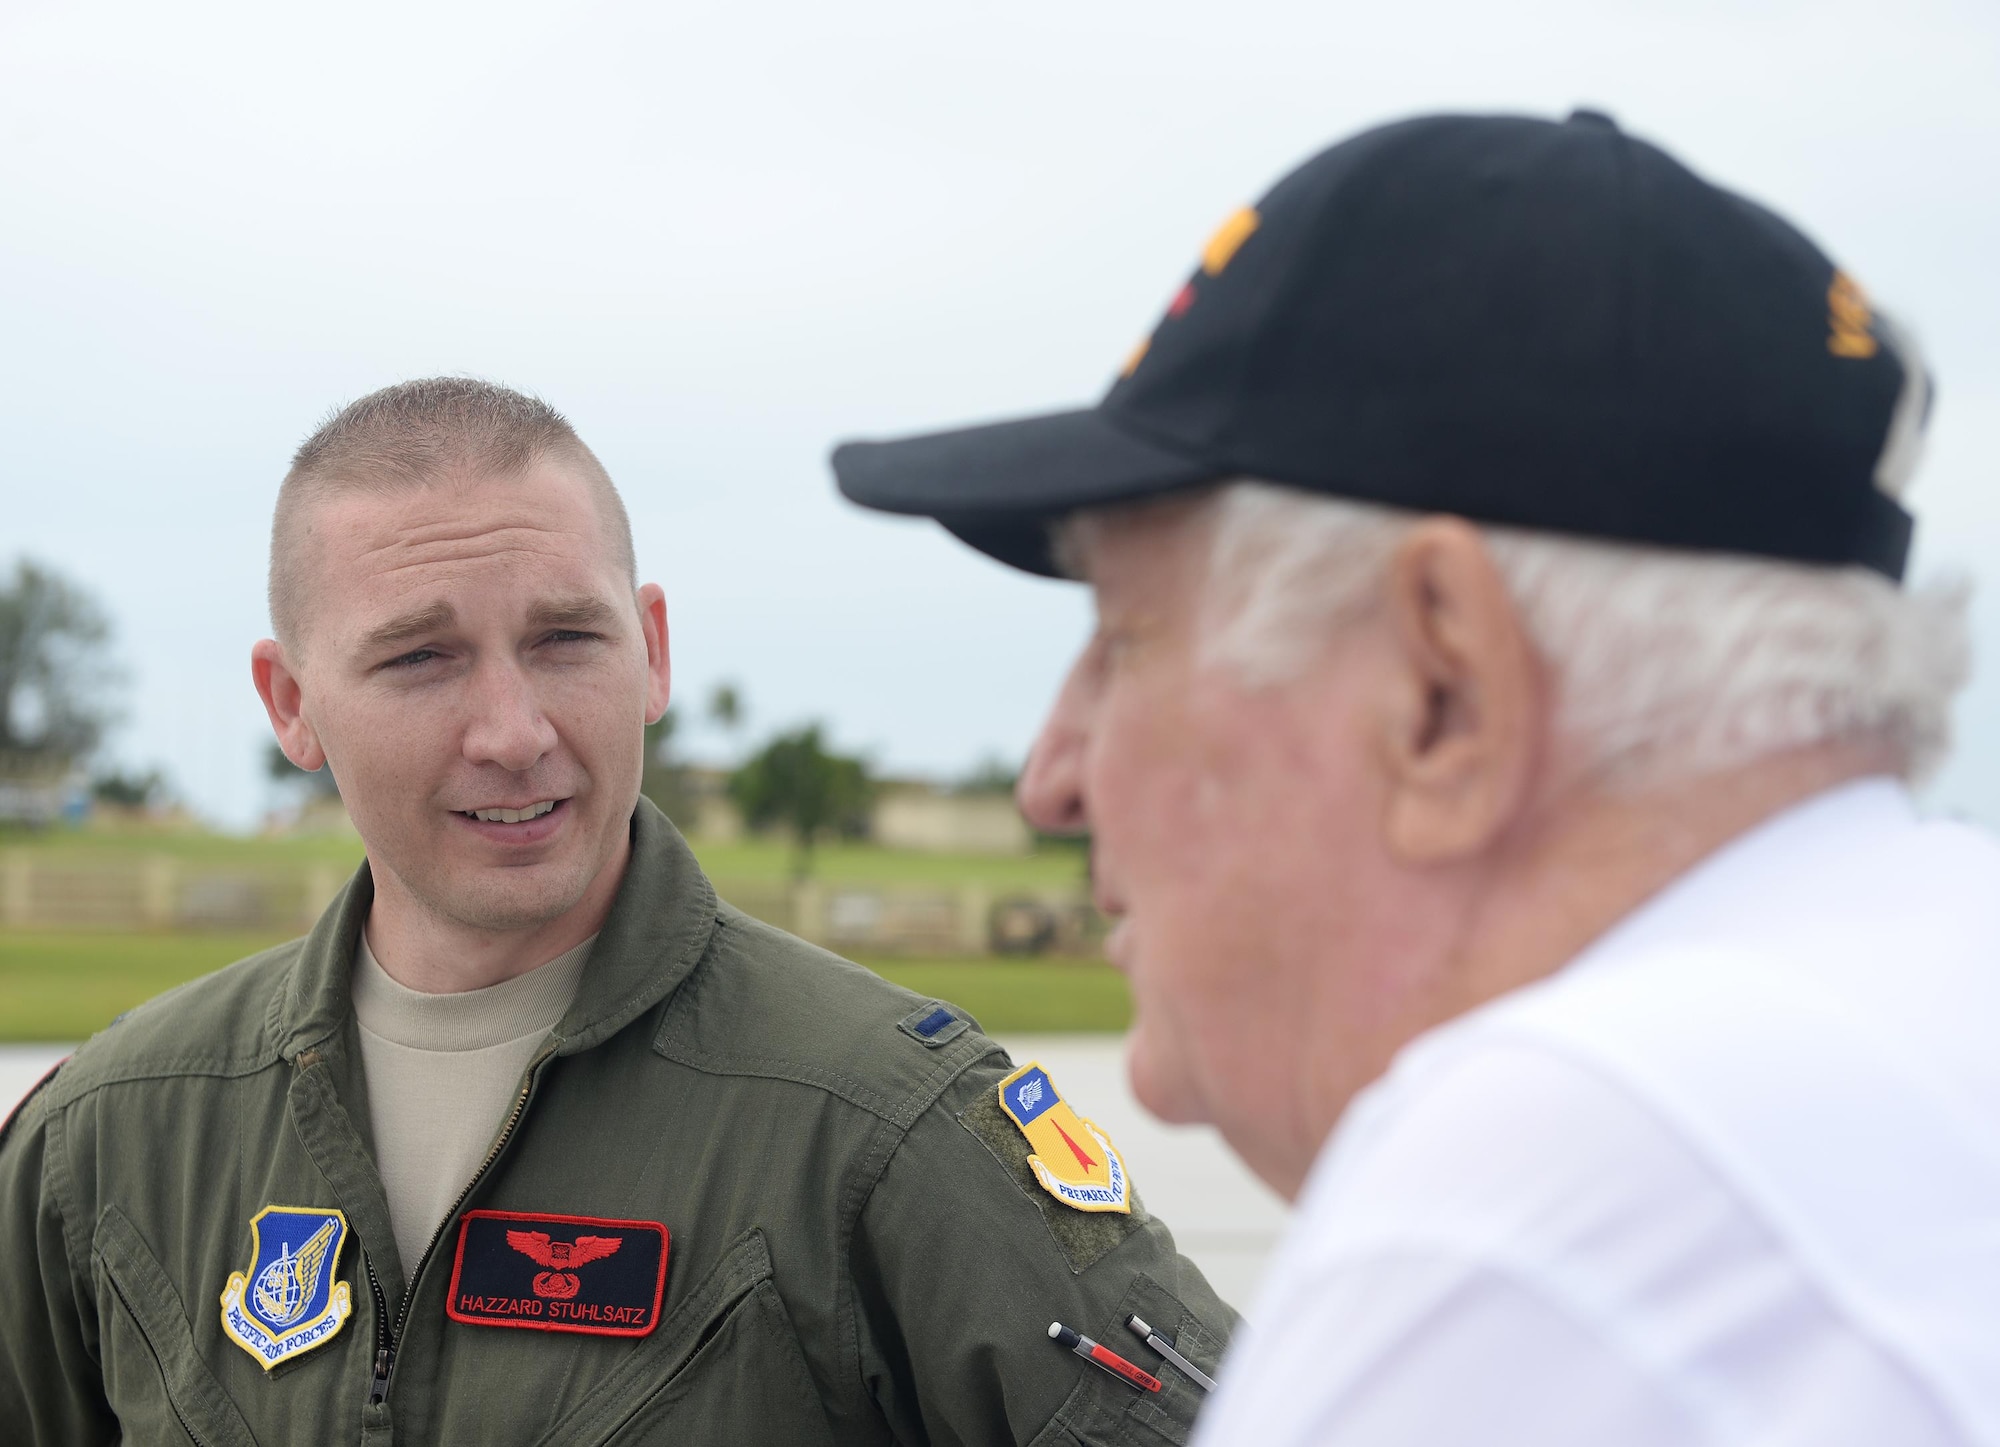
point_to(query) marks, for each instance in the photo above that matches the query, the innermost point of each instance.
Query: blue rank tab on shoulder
(934, 1025)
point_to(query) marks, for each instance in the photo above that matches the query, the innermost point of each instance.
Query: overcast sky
(722, 237)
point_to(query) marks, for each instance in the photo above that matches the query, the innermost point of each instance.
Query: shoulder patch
(1083, 1237)
(934, 1025)
(1073, 1160)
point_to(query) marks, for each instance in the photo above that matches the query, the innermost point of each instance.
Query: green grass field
(67, 986)
(190, 846)
(1052, 866)
(63, 986)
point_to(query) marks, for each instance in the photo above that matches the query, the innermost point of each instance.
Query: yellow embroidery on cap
(1848, 316)
(1222, 247)
(1074, 1160)
(1229, 236)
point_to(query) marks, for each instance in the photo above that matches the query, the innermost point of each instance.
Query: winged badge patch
(562, 1258)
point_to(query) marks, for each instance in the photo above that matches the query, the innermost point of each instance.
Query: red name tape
(558, 1273)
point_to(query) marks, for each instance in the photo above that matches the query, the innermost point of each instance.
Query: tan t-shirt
(443, 1071)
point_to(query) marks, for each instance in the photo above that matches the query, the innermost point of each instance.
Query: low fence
(160, 892)
(970, 919)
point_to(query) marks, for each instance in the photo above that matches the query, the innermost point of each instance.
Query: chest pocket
(154, 1376)
(724, 1369)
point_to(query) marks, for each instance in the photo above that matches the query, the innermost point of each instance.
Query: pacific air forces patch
(1074, 1160)
(288, 1301)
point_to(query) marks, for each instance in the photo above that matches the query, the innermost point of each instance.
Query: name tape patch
(289, 1300)
(558, 1273)
(1074, 1160)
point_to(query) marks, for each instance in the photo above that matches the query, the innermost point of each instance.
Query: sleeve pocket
(724, 1368)
(186, 1397)
(1169, 1414)
(1104, 1410)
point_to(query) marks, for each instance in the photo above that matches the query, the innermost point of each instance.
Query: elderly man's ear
(1467, 705)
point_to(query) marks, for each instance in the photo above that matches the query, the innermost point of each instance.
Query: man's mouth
(511, 816)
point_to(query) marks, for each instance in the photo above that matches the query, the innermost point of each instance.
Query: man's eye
(569, 635)
(412, 658)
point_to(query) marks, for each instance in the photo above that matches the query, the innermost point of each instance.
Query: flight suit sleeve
(961, 1260)
(51, 1392)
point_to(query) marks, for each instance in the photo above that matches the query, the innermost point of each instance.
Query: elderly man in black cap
(1496, 746)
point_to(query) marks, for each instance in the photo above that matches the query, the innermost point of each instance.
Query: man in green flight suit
(532, 1139)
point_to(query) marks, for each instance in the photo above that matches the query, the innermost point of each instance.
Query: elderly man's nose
(1050, 792)
(508, 727)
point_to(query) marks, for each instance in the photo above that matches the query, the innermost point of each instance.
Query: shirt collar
(1761, 881)
(527, 1004)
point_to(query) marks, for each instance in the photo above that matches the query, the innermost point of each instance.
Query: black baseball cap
(1548, 325)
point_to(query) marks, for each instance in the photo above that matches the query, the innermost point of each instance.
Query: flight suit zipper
(387, 1335)
(378, 1390)
(188, 1427)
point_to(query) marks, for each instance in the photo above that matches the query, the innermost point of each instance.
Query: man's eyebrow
(428, 619)
(583, 613)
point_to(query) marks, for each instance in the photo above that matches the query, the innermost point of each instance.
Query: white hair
(1667, 664)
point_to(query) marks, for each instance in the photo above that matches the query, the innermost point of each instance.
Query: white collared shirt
(1730, 1176)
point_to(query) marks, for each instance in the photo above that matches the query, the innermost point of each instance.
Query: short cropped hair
(1667, 664)
(417, 434)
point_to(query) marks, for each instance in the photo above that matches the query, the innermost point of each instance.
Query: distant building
(702, 808)
(919, 816)
(912, 814)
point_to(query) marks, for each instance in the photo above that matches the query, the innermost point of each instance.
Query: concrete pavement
(21, 1066)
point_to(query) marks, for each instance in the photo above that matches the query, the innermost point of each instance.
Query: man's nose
(1050, 791)
(508, 726)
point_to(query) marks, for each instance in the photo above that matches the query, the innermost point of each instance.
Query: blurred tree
(726, 708)
(665, 779)
(55, 672)
(130, 791)
(796, 782)
(992, 775)
(318, 785)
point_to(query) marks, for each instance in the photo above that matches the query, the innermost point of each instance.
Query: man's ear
(652, 600)
(278, 685)
(1466, 724)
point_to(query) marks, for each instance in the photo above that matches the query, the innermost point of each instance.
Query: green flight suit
(859, 1250)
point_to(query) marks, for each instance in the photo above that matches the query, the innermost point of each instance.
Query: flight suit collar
(659, 925)
(657, 931)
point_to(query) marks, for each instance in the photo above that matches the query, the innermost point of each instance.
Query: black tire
(1020, 926)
